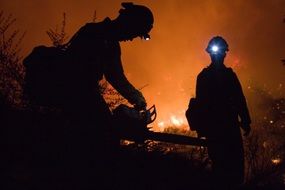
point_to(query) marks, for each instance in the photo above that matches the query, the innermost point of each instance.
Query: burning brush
(132, 125)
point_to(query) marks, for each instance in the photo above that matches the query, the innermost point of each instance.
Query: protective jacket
(95, 54)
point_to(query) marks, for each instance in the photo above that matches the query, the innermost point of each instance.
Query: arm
(201, 88)
(114, 74)
(241, 106)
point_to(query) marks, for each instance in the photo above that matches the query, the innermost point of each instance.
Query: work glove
(140, 102)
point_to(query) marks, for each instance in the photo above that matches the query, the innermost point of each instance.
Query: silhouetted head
(134, 21)
(217, 48)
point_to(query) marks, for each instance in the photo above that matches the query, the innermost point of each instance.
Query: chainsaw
(132, 123)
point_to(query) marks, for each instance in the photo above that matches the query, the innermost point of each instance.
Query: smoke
(169, 63)
(176, 54)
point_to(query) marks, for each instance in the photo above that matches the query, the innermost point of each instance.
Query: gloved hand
(140, 104)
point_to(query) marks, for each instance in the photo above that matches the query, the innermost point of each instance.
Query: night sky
(171, 60)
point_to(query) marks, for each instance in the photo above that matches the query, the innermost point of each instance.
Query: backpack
(52, 72)
(197, 117)
(45, 80)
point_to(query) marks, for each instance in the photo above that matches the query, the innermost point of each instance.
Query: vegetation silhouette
(12, 72)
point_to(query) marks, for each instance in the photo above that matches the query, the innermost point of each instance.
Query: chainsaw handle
(152, 114)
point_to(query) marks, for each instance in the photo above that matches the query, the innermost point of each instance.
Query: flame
(161, 124)
(173, 120)
(276, 161)
(176, 121)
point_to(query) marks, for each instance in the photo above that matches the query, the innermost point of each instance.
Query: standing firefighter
(220, 97)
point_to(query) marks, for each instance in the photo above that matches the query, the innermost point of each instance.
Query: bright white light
(215, 48)
(147, 39)
(176, 121)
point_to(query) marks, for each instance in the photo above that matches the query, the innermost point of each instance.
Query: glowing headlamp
(215, 49)
(146, 37)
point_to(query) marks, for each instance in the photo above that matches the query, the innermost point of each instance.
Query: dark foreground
(40, 151)
(35, 155)
(132, 167)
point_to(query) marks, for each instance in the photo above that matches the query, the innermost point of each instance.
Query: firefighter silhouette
(219, 92)
(93, 53)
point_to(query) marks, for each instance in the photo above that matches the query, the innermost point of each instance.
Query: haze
(169, 63)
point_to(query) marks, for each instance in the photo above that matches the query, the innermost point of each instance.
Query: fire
(161, 124)
(176, 121)
(172, 120)
(276, 161)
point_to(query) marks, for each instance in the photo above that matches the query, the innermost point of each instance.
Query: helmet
(217, 45)
(139, 17)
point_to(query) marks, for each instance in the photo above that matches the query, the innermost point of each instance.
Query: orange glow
(176, 121)
(170, 62)
(276, 161)
(171, 120)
